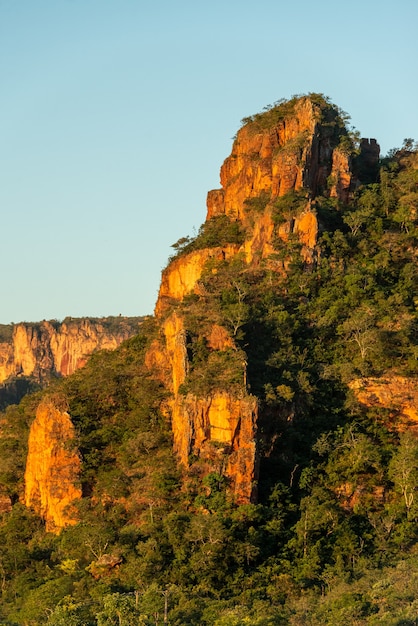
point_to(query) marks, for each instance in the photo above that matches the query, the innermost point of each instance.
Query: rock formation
(302, 149)
(297, 150)
(397, 394)
(49, 347)
(282, 163)
(52, 467)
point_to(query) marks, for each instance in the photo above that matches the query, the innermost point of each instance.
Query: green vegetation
(218, 231)
(6, 333)
(289, 206)
(334, 536)
(328, 114)
(257, 204)
(16, 387)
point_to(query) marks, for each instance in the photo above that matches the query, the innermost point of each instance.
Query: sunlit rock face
(45, 348)
(299, 151)
(52, 468)
(397, 394)
(296, 152)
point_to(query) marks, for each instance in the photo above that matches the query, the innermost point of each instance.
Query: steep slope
(227, 347)
(300, 147)
(282, 162)
(251, 456)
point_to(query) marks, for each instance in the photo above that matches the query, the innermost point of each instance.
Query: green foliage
(257, 203)
(6, 333)
(289, 206)
(333, 537)
(218, 231)
(283, 109)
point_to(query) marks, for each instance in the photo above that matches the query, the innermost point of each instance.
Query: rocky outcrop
(222, 430)
(220, 427)
(41, 349)
(52, 468)
(276, 159)
(181, 276)
(297, 151)
(282, 162)
(397, 394)
(304, 150)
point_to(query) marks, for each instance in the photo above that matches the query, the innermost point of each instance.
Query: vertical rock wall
(52, 468)
(297, 152)
(41, 349)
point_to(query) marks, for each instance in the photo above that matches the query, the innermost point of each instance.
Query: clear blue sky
(116, 115)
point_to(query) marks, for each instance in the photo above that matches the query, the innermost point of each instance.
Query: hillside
(251, 456)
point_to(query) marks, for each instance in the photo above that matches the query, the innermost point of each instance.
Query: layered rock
(38, 350)
(299, 150)
(293, 153)
(397, 394)
(52, 468)
(219, 427)
(281, 163)
(222, 429)
(303, 150)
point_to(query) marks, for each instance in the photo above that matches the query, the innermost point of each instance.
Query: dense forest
(332, 536)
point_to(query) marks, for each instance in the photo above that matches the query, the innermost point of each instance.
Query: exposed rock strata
(398, 394)
(38, 350)
(299, 153)
(52, 468)
(222, 429)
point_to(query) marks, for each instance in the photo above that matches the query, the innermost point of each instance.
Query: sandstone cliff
(397, 394)
(52, 468)
(49, 347)
(299, 151)
(283, 164)
(300, 148)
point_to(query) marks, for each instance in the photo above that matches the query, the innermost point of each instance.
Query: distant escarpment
(291, 306)
(30, 353)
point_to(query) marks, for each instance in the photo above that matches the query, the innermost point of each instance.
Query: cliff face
(52, 468)
(397, 394)
(38, 350)
(298, 151)
(293, 153)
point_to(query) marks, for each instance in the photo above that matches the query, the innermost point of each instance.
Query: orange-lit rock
(6, 360)
(181, 276)
(221, 428)
(219, 338)
(296, 150)
(306, 226)
(60, 348)
(260, 245)
(52, 468)
(396, 393)
(25, 343)
(219, 424)
(175, 336)
(341, 175)
(296, 153)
